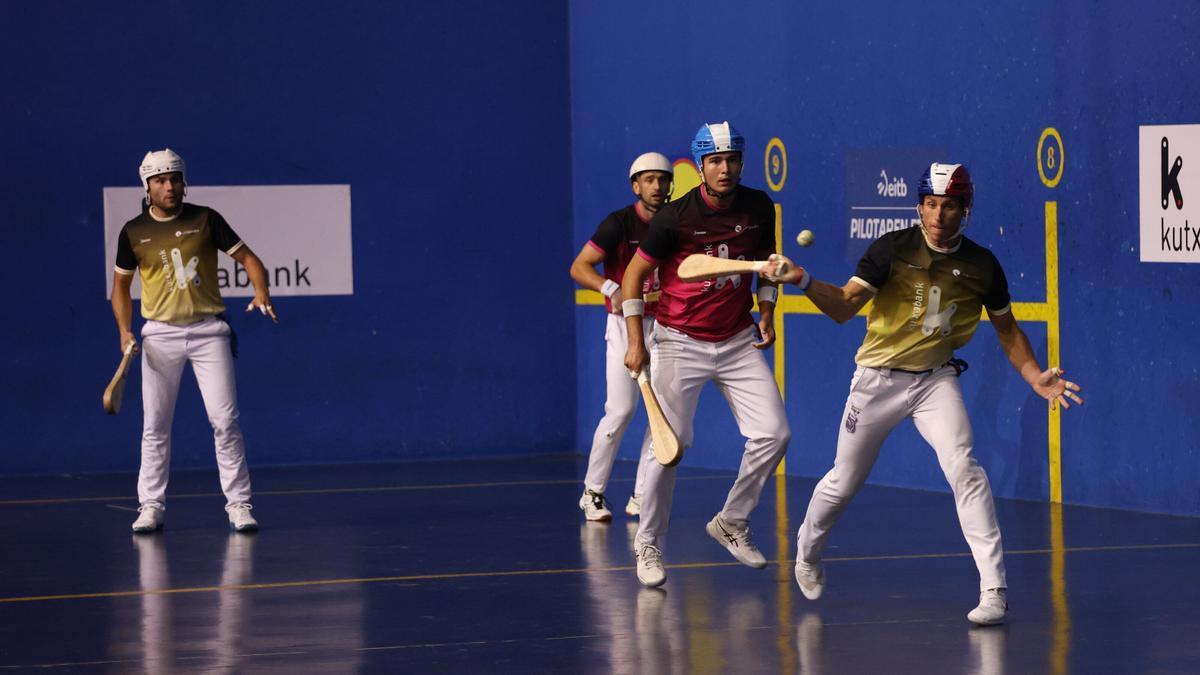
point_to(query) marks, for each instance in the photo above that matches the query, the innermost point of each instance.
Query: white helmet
(651, 161)
(159, 162)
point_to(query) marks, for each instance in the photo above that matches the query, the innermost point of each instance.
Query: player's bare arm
(840, 304)
(1049, 383)
(766, 312)
(258, 277)
(122, 304)
(636, 356)
(583, 271)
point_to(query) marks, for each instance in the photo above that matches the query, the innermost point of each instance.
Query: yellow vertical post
(1061, 641)
(785, 640)
(780, 323)
(1052, 348)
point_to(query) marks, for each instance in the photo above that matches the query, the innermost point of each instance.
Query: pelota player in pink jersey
(613, 244)
(704, 332)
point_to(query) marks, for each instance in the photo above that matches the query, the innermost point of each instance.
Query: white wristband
(768, 294)
(805, 281)
(609, 287)
(633, 307)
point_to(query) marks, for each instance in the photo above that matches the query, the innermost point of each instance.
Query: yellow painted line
(780, 348)
(1058, 593)
(1054, 423)
(785, 640)
(1029, 311)
(557, 572)
(334, 491)
(584, 296)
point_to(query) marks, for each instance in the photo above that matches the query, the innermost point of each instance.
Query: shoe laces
(240, 509)
(650, 556)
(810, 572)
(994, 596)
(741, 538)
(149, 508)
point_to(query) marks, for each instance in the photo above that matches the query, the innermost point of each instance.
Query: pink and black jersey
(618, 237)
(716, 309)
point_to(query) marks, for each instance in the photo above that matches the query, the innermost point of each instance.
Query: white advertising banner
(301, 233)
(1169, 200)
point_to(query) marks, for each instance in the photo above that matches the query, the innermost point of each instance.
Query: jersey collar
(712, 204)
(640, 210)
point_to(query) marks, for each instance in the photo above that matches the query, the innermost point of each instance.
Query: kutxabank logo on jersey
(1169, 183)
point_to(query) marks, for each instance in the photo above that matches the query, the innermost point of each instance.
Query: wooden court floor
(487, 567)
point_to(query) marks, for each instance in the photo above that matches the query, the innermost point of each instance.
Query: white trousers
(619, 409)
(879, 400)
(680, 366)
(166, 348)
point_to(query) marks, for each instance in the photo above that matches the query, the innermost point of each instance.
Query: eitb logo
(1170, 179)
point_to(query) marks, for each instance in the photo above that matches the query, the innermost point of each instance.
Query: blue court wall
(450, 123)
(978, 82)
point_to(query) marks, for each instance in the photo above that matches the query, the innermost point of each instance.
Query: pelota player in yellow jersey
(929, 285)
(173, 246)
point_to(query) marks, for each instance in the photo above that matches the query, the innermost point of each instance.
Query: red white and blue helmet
(947, 180)
(716, 137)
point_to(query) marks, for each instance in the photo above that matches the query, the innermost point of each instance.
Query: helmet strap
(718, 195)
(955, 240)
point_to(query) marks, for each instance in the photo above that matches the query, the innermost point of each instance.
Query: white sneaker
(633, 507)
(150, 519)
(993, 605)
(810, 578)
(650, 569)
(595, 506)
(240, 519)
(736, 541)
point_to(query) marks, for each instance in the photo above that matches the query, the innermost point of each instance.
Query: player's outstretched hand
(1051, 386)
(263, 303)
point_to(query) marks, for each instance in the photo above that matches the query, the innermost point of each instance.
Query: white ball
(805, 238)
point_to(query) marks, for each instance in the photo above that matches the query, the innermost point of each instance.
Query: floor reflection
(232, 625)
(157, 653)
(987, 650)
(646, 634)
(810, 645)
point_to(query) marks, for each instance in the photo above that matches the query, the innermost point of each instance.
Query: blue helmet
(716, 137)
(951, 180)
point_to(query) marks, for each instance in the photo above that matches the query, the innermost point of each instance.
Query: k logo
(1170, 180)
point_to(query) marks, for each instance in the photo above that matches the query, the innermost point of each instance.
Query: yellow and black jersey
(927, 303)
(177, 260)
